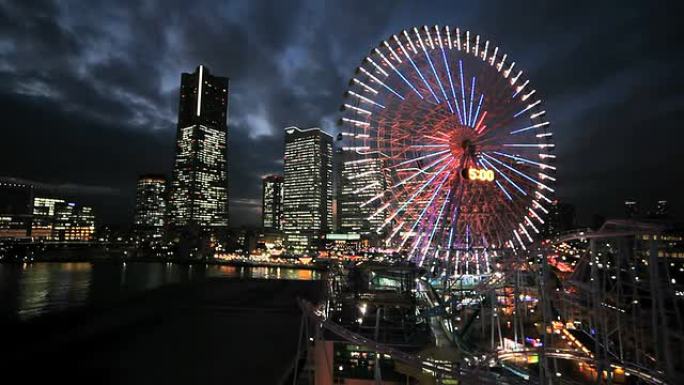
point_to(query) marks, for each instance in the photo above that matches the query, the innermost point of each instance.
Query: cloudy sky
(89, 89)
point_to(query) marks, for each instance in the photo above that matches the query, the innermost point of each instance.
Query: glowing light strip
(460, 66)
(422, 157)
(434, 228)
(493, 58)
(449, 37)
(422, 171)
(515, 232)
(477, 126)
(505, 176)
(429, 145)
(356, 122)
(364, 188)
(458, 38)
(530, 128)
(415, 67)
(199, 90)
(451, 82)
(510, 198)
(527, 96)
(415, 194)
(364, 204)
(527, 108)
(484, 52)
(375, 79)
(517, 91)
(519, 173)
(389, 47)
(539, 206)
(357, 109)
(538, 145)
(399, 73)
(429, 203)
(427, 32)
(365, 86)
(540, 195)
(472, 96)
(434, 71)
(365, 99)
(377, 67)
(529, 222)
(515, 79)
(524, 230)
(534, 214)
(537, 114)
(477, 112)
(524, 160)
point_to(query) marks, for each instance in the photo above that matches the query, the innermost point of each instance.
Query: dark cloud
(89, 89)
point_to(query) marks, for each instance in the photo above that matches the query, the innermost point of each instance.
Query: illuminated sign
(478, 174)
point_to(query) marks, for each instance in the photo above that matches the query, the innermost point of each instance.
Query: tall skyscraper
(199, 188)
(361, 187)
(150, 203)
(307, 190)
(272, 202)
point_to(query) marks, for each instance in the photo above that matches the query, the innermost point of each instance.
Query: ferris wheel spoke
(448, 70)
(520, 173)
(532, 127)
(542, 166)
(413, 196)
(432, 66)
(427, 206)
(389, 63)
(422, 170)
(375, 79)
(434, 227)
(419, 158)
(463, 97)
(474, 122)
(523, 192)
(472, 96)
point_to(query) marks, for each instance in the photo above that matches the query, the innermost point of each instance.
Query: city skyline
(122, 105)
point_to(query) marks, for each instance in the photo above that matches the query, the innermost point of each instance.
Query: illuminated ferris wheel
(461, 141)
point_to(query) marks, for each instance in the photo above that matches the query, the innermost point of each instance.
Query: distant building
(360, 191)
(631, 208)
(561, 218)
(272, 202)
(662, 209)
(307, 199)
(58, 220)
(44, 210)
(16, 200)
(199, 187)
(150, 203)
(73, 222)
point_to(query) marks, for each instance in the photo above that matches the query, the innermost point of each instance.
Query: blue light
(423, 77)
(505, 177)
(451, 83)
(472, 96)
(477, 112)
(460, 66)
(437, 77)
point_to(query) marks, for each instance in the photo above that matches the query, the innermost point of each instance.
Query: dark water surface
(31, 290)
(147, 323)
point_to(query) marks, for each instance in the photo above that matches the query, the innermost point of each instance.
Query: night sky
(89, 89)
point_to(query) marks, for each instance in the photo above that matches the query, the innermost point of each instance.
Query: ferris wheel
(461, 141)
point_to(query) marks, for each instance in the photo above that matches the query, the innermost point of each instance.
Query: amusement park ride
(464, 179)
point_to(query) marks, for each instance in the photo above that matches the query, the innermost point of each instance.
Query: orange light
(478, 174)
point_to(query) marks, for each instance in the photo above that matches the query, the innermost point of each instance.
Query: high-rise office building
(16, 201)
(272, 202)
(561, 217)
(150, 204)
(361, 186)
(72, 222)
(199, 187)
(44, 210)
(307, 189)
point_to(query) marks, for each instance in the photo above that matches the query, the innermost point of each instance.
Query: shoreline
(178, 262)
